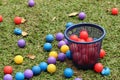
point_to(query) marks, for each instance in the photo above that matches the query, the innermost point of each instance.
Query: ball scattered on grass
(8, 70)
(28, 73)
(68, 72)
(19, 76)
(64, 48)
(51, 68)
(59, 36)
(36, 70)
(7, 77)
(21, 43)
(51, 60)
(49, 38)
(43, 66)
(47, 46)
(53, 54)
(18, 59)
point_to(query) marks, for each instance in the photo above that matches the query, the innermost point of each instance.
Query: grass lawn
(39, 24)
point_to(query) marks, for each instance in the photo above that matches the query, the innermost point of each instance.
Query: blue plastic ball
(43, 66)
(49, 38)
(36, 70)
(17, 31)
(69, 54)
(47, 46)
(69, 24)
(105, 71)
(68, 72)
(19, 76)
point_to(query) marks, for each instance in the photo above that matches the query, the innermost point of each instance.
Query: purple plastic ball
(21, 43)
(7, 77)
(51, 60)
(78, 79)
(31, 3)
(66, 41)
(28, 73)
(82, 15)
(59, 36)
(61, 43)
(61, 57)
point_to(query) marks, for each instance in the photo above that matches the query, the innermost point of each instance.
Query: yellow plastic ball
(64, 48)
(18, 59)
(51, 68)
(53, 54)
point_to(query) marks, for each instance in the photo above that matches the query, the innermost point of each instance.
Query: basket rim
(85, 24)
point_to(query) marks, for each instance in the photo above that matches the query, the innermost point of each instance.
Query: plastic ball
(81, 40)
(114, 11)
(49, 38)
(17, 31)
(43, 66)
(19, 76)
(74, 37)
(8, 70)
(105, 71)
(89, 39)
(102, 53)
(17, 20)
(82, 15)
(1, 18)
(51, 60)
(51, 68)
(61, 57)
(84, 35)
(53, 54)
(66, 41)
(68, 72)
(69, 24)
(64, 48)
(28, 73)
(36, 70)
(21, 43)
(7, 77)
(78, 79)
(59, 36)
(61, 43)
(47, 47)
(98, 67)
(69, 54)
(31, 3)
(18, 59)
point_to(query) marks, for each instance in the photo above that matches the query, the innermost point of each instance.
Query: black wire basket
(85, 54)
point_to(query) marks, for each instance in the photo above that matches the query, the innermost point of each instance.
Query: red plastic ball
(102, 53)
(1, 19)
(114, 11)
(89, 39)
(8, 70)
(98, 67)
(74, 37)
(17, 20)
(84, 35)
(81, 40)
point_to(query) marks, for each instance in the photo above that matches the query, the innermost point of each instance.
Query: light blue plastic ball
(47, 46)
(49, 38)
(36, 70)
(69, 24)
(68, 72)
(69, 54)
(105, 71)
(17, 31)
(19, 76)
(43, 66)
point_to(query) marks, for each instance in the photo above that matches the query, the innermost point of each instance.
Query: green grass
(39, 23)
